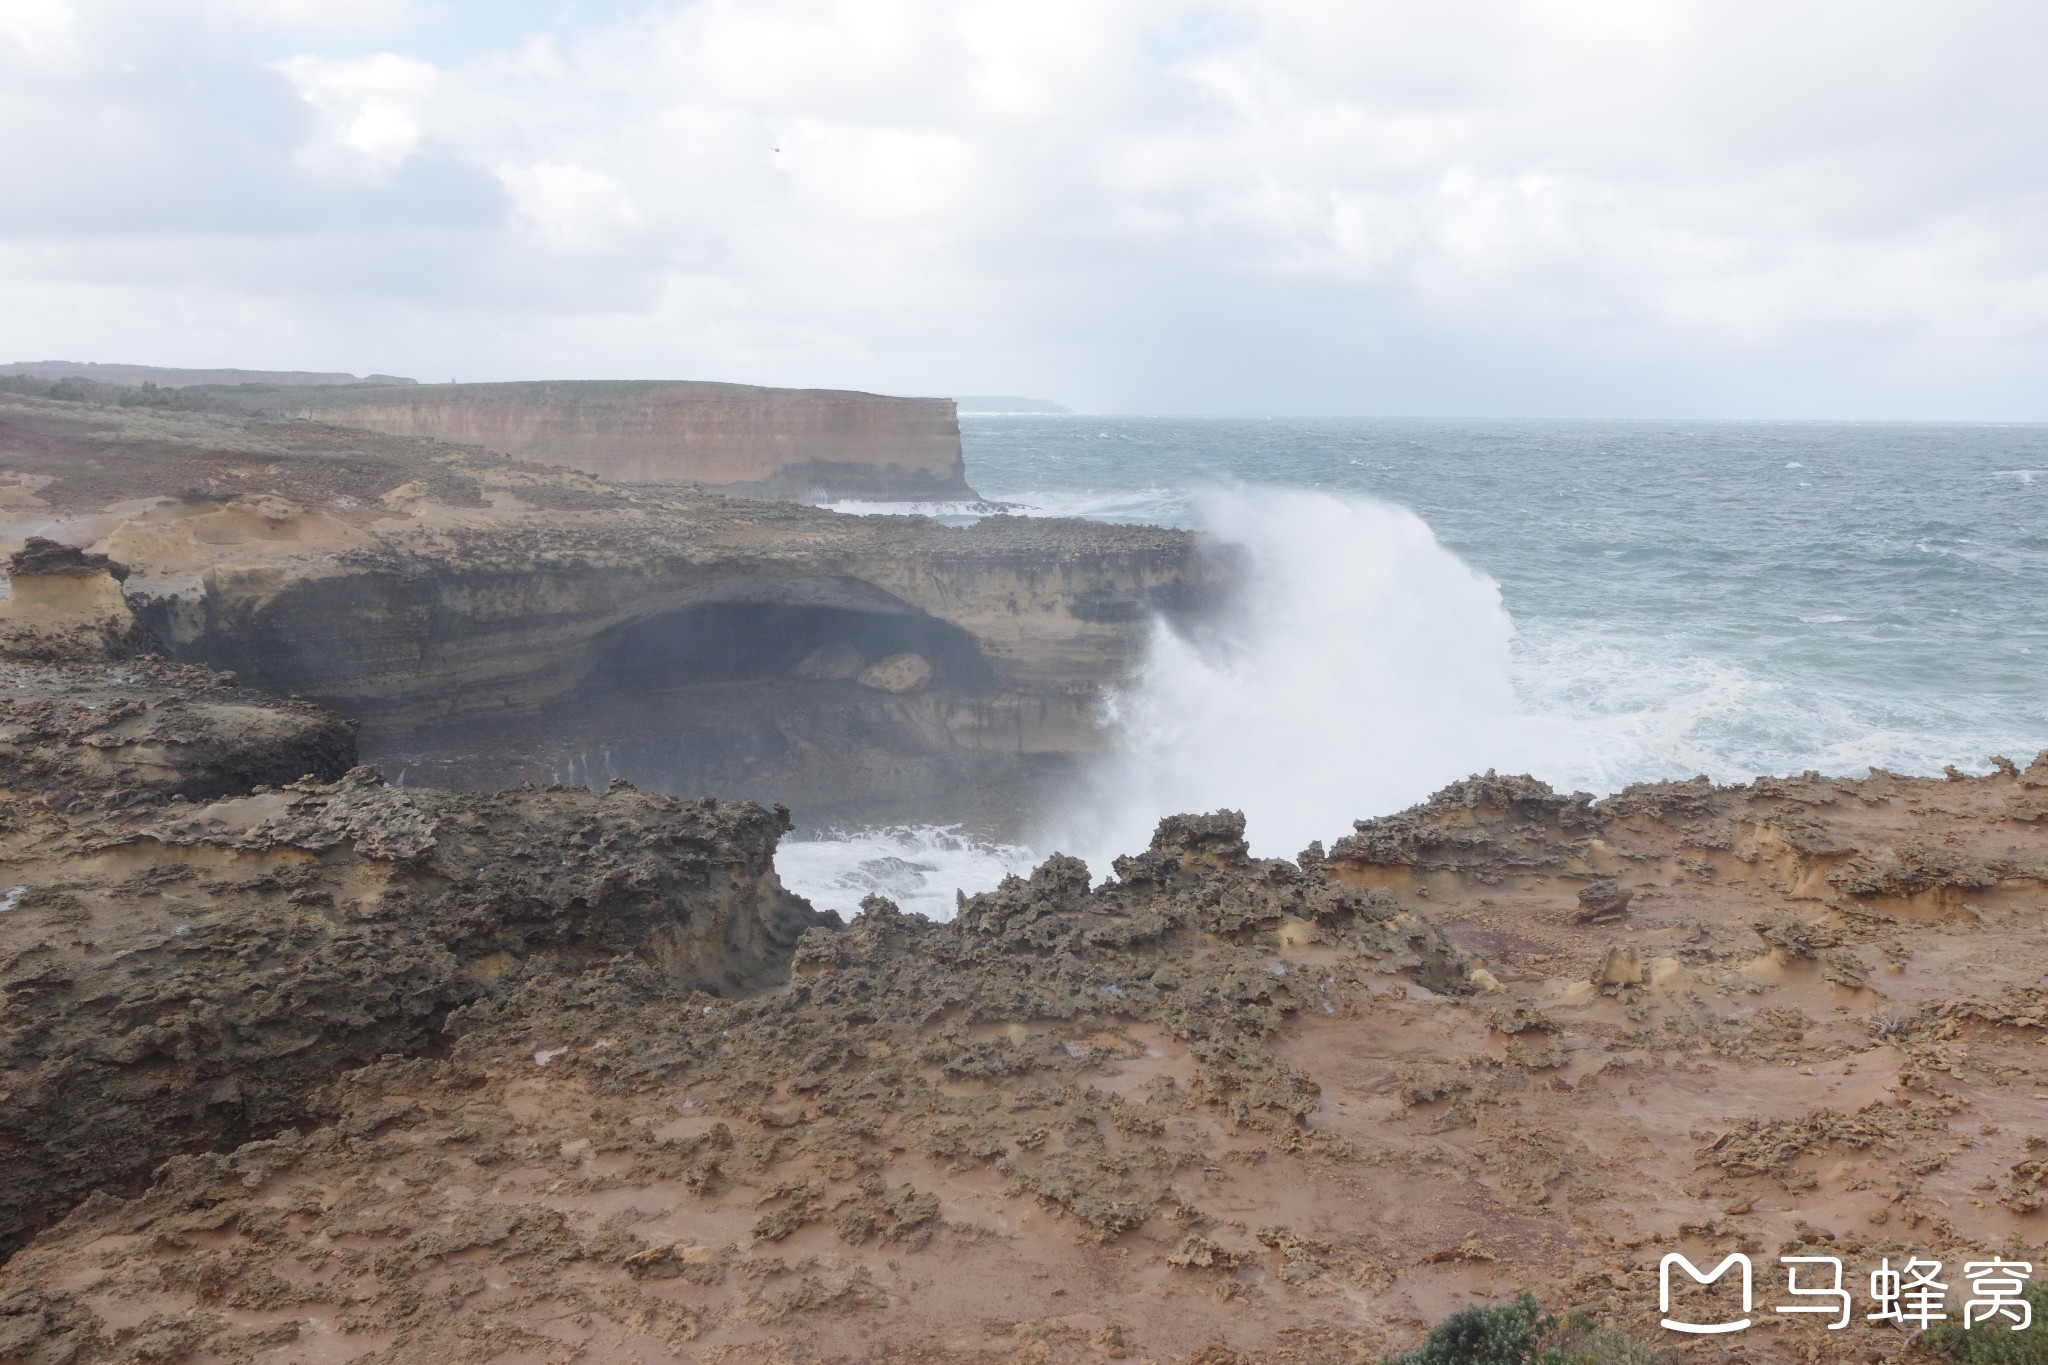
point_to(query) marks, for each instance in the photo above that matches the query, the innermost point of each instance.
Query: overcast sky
(1716, 208)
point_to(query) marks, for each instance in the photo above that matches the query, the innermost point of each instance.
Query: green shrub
(1995, 1343)
(1506, 1335)
(1578, 1343)
(1520, 1333)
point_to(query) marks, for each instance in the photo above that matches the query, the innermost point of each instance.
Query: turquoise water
(1593, 603)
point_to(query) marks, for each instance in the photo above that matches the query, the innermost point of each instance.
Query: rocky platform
(700, 643)
(79, 729)
(1213, 1109)
(180, 977)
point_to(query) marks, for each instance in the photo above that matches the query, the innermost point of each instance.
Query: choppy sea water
(1595, 603)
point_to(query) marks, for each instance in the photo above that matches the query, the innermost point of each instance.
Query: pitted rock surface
(93, 732)
(182, 978)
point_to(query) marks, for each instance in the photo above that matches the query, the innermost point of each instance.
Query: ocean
(1594, 603)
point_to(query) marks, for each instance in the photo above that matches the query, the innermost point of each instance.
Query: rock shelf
(1212, 1108)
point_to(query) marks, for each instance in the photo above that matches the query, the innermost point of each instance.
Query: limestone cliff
(417, 586)
(778, 443)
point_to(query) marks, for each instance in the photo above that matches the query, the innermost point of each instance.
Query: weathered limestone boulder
(59, 598)
(897, 674)
(1603, 900)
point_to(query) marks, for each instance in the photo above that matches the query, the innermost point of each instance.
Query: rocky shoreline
(296, 1064)
(343, 1071)
(433, 592)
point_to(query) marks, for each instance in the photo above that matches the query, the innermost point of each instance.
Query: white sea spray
(919, 867)
(1360, 666)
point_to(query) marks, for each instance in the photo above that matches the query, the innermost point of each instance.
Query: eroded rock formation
(76, 734)
(439, 594)
(180, 978)
(88, 719)
(774, 443)
(1216, 1109)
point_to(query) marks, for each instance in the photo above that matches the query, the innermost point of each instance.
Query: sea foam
(1360, 666)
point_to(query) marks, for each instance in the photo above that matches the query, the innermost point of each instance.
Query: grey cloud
(1482, 207)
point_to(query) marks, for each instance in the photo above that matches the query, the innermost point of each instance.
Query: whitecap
(919, 867)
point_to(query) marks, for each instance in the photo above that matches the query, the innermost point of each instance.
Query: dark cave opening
(753, 689)
(738, 640)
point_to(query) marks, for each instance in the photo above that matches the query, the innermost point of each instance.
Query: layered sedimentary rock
(76, 734)
(413, 585)
(89, 718)
(1216, 1109)
(775, 443)
(175, 978)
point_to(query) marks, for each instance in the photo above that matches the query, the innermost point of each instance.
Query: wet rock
(1488, 826)
(1223, 1066)
(897, 674)
(1910, 869)
(42, 1328)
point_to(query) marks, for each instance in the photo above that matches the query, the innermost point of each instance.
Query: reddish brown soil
(1216, 1110)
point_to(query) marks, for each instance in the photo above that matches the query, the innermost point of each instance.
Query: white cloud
(38, 29)
(571, 207)
(372, 110)
(328, 16)
(1519, 205)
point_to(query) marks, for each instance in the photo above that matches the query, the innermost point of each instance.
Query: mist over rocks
(487, 620)
(340, 1066)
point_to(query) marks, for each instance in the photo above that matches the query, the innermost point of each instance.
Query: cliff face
(778, 443)
(752, 648)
